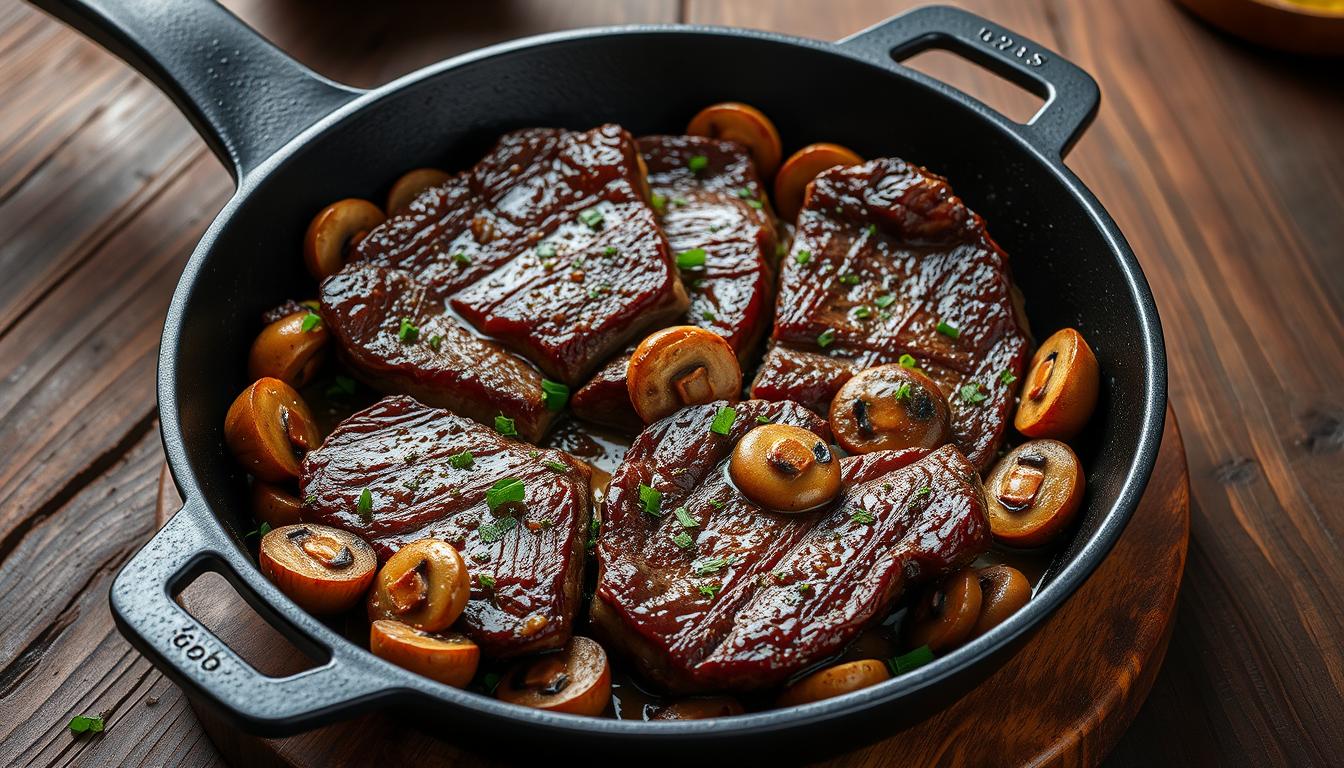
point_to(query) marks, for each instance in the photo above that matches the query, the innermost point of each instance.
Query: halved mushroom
(700, 708)
(405, 189)
(333, 231)
(450, 658)
(325, 570)
(290, 349)
(575, 679)
(890, 407)
(268, 428)
(785, 468)
(946, 613)
(1061, 387)
(679, 366)
(834, 681)
(1034, 492)
(274, 505)
(744, 124)
(425, 584)
(1003, 590)
(801, 168)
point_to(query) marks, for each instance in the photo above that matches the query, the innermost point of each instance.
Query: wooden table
(1224, 166)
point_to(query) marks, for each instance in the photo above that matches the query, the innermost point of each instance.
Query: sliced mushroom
(333, 231)
(834, 681)
(680, 366)
(425, 584)
(268, 428)
(274, 505)
(785, 468)
(290, 349)
(744, 124)
(1034, 492)
(890, 407)
(325, 570)
(946, 614)
(450, 658)
(700, 708)
(1060, 389)
(575, 679)
(1003, 591)
(405, 189)
(801, 168)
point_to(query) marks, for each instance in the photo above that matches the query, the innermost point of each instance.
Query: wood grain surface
(1223, 165)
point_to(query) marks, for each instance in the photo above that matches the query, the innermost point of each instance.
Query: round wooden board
(1072, 691)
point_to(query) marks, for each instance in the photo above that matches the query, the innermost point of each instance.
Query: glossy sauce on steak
(544, 254)
(760, 595)
(886, 262)
(410, 458)
(719, 208)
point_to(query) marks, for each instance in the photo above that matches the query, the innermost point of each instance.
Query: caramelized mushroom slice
(946, 613)
(290, 349)
(680, 366)
(268, 428)
(273, 505)
(1003, 590)
(425, 584)
(744, 124)
(450, 658)
(1060, 390)
(325, 570)
(785, 468)
(1034, 492)
(700, 708)
(405, 189)
(799, 171)
(333, 231)
(888, 408)
(575, 679)
(834, 681)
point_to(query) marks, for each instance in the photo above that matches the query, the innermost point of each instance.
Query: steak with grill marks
(887, 262)
(403, 453)
(760, 595)
(544, 259)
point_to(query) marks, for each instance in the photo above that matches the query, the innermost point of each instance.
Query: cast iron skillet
(296, 141)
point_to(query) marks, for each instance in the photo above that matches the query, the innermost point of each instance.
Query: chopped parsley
(923, 491)
(554, 394)
(708, 316)
(651, 499)
(591, 218)
(311, 321)
(713, 565)
(685, 518)
(863, 516)
(697, 163)
(871, 229)
(506, 490)
(594, 528)
(971, 395)
(723, 420)
(310, 500)
(862, 313)
(849, 279)
(756, 204)
(802, 257)
(902, 391)
(494, 531)
(949, 330)
(908, 361)
(557, 466)
(885, 301)
(658, 202)
(610, 250)
(461, 258)
(434, 341)
(709, 589)
(683, 540)
(691, 259)
(825, 338)
(463, 460)
(86, 724)
(679, 201)
(762, 419)
(408, 332)
(341, 386)
(716, 504)
(1007, 377)
(487, 581)
(505, 426)
(744, 193)
(546, 251)
(908, 661)
(365, 505)
(804, 587)
(261, 530)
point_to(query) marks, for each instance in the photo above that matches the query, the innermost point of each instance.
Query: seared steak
(546, 247)
(411, 459)
(760, 595)
(886, 262)
(720, 209)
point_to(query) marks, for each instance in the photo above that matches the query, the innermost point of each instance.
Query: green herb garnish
(849, 279)
(691, 259)
(557, 466)
(762, 419)
(434, 341)
(697, 163)
(947, 329)
(651, 499)
(685, 518)
(756, 204)
(463, 460)
(802, 257)
(863, 516)
(744, 193)
(461, 258)
(486, 579)
(709, 590)
(86, 724)
(825, 338)
(408, 332)
(506, 490)
(723, 420)
(908, 661)
(862, 313)
(716, 504)
(311, 321)
(505, 426)
(261, 530)
(494, 531)
(610, 250)
(871, 229)
(902, 391)
(885, 301)
(971, 394)
(658, 202)
(365, 505)
(683, 539)
(546, 251)
(341, 386)
(908, 361)
(803, 587)
(1007, 377)
(713, 565)
(591, 218)
(554, 394)
(708, 316)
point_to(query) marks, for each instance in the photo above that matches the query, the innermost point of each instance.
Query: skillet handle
(243, 95)
(1071, 95)
(144, 608)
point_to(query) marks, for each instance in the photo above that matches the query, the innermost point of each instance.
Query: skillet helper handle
(1071, 95)
(143, 605)
(243, 95)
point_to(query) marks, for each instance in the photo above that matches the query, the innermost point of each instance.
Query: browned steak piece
(758, 596)
(719, 209)
(887, 262)
(546, 248)
(410, 458)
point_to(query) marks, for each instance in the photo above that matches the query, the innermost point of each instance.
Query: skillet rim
(921, 681)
